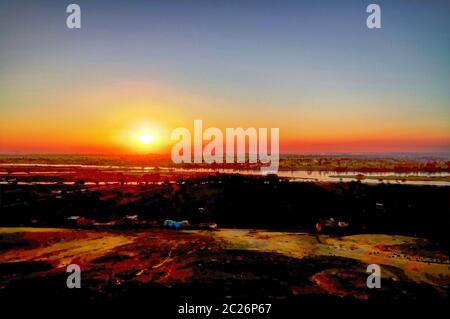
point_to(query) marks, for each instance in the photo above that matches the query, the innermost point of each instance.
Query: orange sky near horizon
(110, 120)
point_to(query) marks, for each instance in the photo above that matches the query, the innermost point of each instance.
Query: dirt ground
(228, 264)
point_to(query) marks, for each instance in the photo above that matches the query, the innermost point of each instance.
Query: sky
(310, 68)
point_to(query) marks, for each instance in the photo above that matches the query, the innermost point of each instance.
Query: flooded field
(34, 170)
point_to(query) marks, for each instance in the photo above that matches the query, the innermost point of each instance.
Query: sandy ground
(227, 263)
(396, 251)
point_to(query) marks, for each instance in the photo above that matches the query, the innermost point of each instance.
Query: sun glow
(147, 139)
(141, 136)
(144, 140)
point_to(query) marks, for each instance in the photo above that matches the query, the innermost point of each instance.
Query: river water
(294, 176)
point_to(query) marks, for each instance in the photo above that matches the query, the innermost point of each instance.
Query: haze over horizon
(137, 70)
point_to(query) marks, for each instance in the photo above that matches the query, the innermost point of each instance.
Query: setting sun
(147, 139)
(141, 136)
